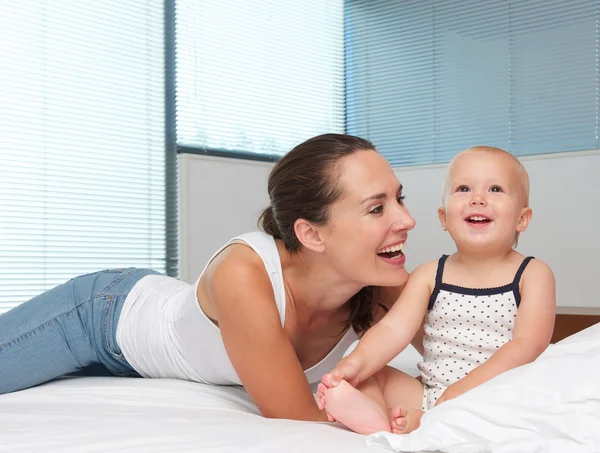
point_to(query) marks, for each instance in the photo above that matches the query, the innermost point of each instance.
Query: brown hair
(303, 185)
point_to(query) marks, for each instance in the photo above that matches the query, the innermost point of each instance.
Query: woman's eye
(496, 189)
(462, 189)
(376, 210)
(401, 199)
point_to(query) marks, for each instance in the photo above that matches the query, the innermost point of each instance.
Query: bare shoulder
(424, 274)
(537, 272)
(237, 270)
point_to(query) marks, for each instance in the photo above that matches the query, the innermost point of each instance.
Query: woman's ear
(524, 219)
(442, 217)
(309, 235)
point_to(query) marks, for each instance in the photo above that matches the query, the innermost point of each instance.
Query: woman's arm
(257, 345)
(532, 333)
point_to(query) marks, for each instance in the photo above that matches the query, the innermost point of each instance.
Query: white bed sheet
(110, 414)
(100, 414)
(549, 406)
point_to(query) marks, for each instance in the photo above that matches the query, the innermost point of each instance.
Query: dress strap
(438, 281)
(515, 283)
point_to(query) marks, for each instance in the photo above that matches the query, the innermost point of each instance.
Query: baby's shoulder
(537, 271)
(425, 273)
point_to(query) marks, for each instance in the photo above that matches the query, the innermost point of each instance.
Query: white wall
(219, 198)
(223, 197)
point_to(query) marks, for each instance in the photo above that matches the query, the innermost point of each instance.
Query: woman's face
(368, 226)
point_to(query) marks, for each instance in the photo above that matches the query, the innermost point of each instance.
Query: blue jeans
(68, 329)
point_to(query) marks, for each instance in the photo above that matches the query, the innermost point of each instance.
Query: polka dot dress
(463, 328)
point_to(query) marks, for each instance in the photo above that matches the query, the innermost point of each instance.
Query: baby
(487, 308)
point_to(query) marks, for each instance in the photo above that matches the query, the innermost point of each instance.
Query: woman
(272, 311)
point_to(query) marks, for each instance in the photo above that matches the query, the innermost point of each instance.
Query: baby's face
(486, 201)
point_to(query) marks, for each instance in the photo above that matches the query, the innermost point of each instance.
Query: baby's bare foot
(355, 410)
(405, 420)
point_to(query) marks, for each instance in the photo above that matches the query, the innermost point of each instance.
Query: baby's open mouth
(478, 219)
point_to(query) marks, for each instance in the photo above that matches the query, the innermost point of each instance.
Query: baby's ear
(524, 219)
(442, 217)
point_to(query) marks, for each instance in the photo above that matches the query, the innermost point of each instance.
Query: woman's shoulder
(236, 259)
(247, 249)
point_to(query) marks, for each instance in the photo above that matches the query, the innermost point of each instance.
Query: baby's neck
(480, 260)
(481, 270)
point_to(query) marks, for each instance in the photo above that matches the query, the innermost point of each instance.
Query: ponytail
(268, 223)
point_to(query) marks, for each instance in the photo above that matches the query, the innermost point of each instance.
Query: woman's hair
(304, 185)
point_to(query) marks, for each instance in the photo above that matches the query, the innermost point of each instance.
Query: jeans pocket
(112, 305)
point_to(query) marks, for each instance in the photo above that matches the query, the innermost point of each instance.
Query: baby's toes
(321, 388)
(399, 425)
(326, 380)
(400, 422)
(398, 431)
(398, 412)
(321, 402)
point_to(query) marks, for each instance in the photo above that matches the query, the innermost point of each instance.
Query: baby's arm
(532, 331)
(386, 339)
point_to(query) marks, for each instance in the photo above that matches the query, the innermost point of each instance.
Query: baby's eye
(376, 210)
(462, 189)
(496, 189)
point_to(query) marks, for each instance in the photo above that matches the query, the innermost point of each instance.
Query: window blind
(82, 148)
(427, 79)
(257, 77)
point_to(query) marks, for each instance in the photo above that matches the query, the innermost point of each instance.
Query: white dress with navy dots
(463, 328)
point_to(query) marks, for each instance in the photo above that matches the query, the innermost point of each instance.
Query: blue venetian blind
(82, 141)
(257, 77)
(427, 79)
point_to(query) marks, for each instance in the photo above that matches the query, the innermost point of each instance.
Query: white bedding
(102, 414)
(549, 406)
(110, 414)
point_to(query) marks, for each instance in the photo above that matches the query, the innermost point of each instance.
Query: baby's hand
(347, 370)
(453, 391)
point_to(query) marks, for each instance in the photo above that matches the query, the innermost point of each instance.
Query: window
(82, 136)
(427, 79)
(257, 77)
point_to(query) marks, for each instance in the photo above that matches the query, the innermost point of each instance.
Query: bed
(112, 414)
(552, 405)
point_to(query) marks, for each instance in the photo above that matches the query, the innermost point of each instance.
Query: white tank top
(163, 332)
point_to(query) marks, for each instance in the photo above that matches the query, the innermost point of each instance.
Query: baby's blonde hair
(523, 175)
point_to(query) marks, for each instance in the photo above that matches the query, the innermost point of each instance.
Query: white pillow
(551, 405)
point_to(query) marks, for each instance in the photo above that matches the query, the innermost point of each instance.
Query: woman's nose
(403, 220)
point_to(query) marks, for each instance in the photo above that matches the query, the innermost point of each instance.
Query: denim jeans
(65, 330)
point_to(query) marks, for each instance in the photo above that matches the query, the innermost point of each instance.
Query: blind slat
(82, 127)
(258, 76)
(426, 79)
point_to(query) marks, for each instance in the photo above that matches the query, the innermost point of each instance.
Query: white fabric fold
(551, 405)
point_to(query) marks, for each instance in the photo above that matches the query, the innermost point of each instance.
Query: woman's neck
(313, 288)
